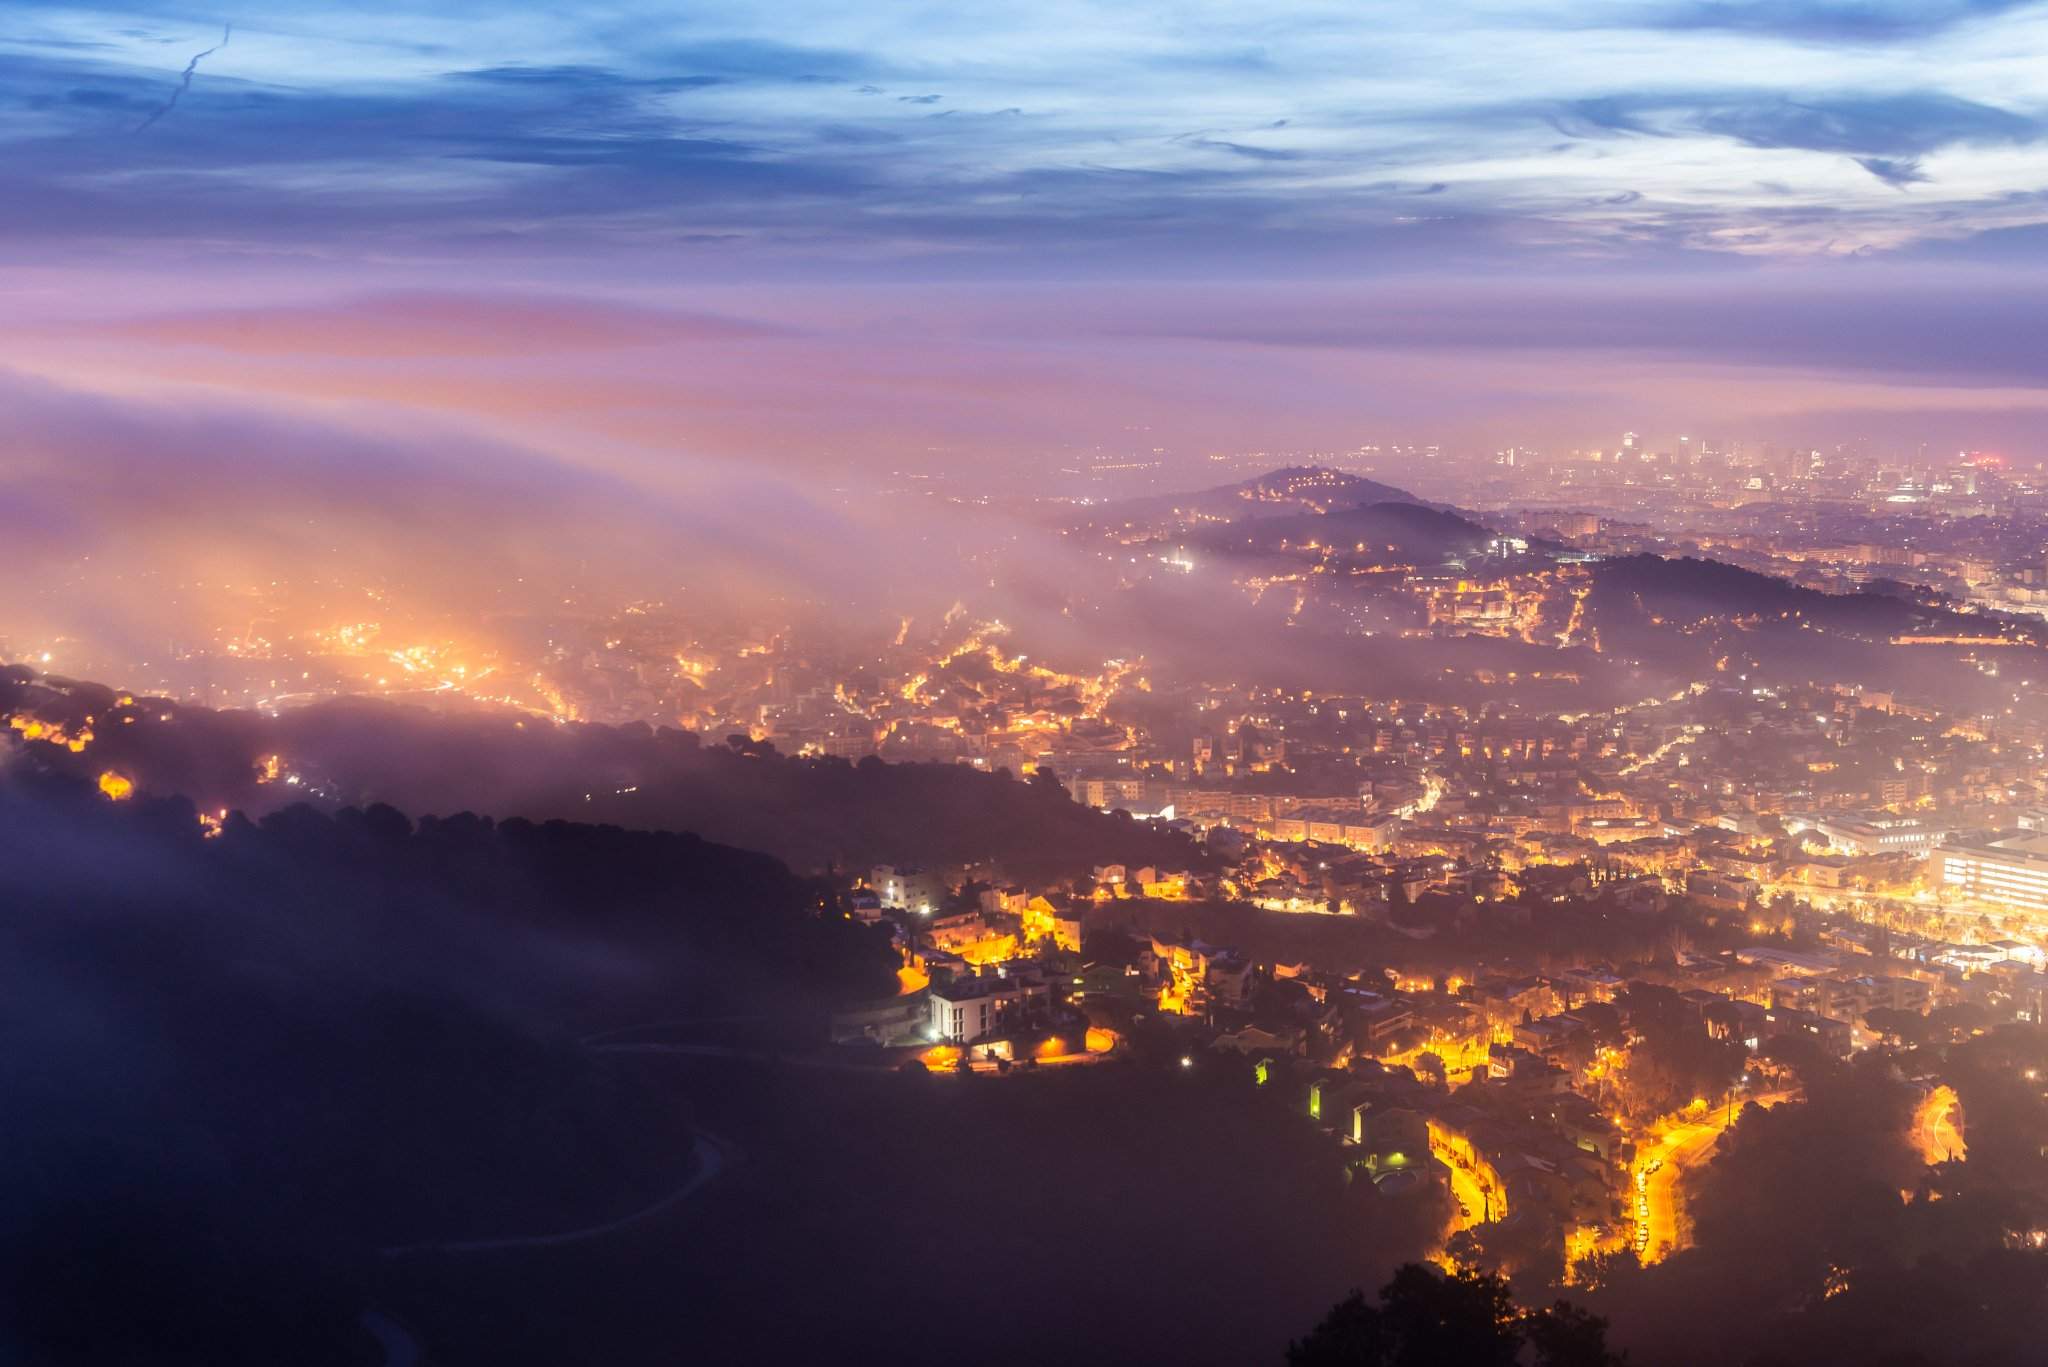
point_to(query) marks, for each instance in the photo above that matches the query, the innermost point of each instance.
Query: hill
(240, 1065)
(810, 812)
(1278, 493)
(1692, 617)
(1681, 591)
(1379, 533)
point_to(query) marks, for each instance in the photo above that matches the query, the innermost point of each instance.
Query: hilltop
(1284, 492)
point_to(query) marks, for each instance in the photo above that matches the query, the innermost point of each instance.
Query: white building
(907, 889)
(2009, 868)
(1873, 834)
(966, 1009)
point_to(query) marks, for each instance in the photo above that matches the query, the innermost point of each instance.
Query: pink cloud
(426, 324)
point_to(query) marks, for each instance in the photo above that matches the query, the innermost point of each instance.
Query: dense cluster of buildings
(1551, 1100)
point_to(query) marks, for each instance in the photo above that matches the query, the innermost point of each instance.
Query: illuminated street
(1937, 1131)
(1677, 1149)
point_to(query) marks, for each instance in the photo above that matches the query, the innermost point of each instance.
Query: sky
(544, 256)
(1060, 139)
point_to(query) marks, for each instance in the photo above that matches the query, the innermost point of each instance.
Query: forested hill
(529, 918)
(1411, 532)
(1679, 590)
(813, 813)
(238, 1066)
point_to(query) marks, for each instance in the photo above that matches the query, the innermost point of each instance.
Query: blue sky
(1070, 138)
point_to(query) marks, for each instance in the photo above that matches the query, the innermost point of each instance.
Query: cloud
(129, 503)
(1240, 149)
(519, 131)
(1901, 125)
(1887, 135)
(766, 59)
(441, 325)
(1823, 21)
(1910, 123)
(582, 81)
(1961, 331)
(1599, 116)
(2021, 245)
(1900, 172)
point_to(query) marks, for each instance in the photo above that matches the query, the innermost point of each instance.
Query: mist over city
(1314, 685)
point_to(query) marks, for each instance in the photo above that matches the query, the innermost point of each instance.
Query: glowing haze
(476, 290)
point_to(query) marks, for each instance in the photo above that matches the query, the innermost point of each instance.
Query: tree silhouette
(1464, 1318)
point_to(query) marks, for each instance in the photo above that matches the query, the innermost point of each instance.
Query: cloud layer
(1056, 137)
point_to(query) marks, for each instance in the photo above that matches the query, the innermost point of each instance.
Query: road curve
(712, 1156)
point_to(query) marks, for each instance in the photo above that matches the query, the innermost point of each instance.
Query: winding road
(712, 1157)
(1679, 1148)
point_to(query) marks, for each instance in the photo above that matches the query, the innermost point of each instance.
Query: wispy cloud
(1867, 21)
(1895, 171)
(1630, 128)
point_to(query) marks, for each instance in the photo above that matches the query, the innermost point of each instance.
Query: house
(1196, 975)
(1043, 920)
(1835, 1036)
(1254, 1040)
(1394, 1138)
(908, 888)
(968, 1009)
(1547, 1034)
(1009, 901)
(1228, 979)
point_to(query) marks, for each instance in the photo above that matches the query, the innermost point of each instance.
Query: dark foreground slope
(236, 1067)
(269, 1089)
(1108, 1214)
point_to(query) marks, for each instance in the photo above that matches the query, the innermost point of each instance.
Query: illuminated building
(1044, 921)
(2010, 868)
(1876, 835)
(908, 889)
(1198, 975)
(969, 1008)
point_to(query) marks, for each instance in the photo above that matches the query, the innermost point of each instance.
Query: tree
(1898, 1024)
(1460, 1319)
(1464, 1318)
(1566, 1336)
(1353, 1333)
(1600, 1270)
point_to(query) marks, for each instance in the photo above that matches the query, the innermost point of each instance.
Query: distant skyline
(538, 257)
